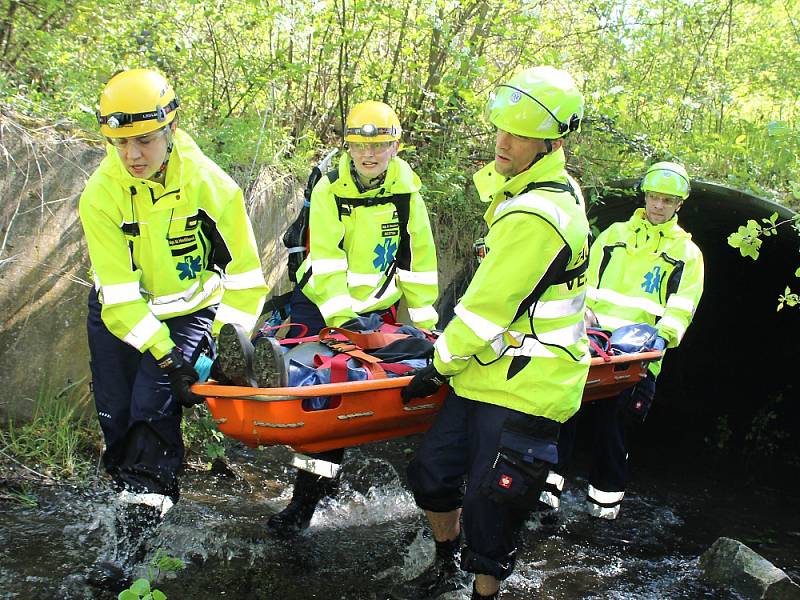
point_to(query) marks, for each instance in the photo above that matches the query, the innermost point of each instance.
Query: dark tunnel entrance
(738, 360)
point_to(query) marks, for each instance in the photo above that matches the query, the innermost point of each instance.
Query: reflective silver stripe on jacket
(538, 203)
(554, 309)
(143, 331)
(229, 314)
(335, 305)
(366, 279)
(366, 305)
(184, 302)
(681, 303)
(119, 293)
(480, 326)
(323, 266)
(612, 297)
(425, 313)
(243, 281)
(421, 277)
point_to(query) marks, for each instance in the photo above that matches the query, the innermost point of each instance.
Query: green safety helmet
(540, 102)
(667, 178)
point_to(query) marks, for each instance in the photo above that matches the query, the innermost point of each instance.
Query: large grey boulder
(729, 563)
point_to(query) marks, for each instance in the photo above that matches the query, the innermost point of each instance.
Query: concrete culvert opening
(738, 360)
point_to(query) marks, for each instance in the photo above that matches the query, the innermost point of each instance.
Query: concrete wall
(44, 263)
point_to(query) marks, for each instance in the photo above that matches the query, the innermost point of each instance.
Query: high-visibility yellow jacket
(162, 251)
(518, 338)
(360, 257)
(645, 273)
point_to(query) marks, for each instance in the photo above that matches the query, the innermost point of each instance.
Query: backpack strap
(402, 206)
(554, 186)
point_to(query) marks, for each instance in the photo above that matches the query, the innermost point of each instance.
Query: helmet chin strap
(547, 144)
(170, 144)
(370, 184)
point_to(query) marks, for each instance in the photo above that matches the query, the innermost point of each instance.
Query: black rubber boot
(268, 365)
(134, 526)
(443, 576)
(234, 363)
(309, 489)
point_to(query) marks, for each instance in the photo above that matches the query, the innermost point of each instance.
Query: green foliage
(748, 240)
(21, 493)
(57, 441)
(161, 563)
(201, 435)
(140, 590)
(269, 82)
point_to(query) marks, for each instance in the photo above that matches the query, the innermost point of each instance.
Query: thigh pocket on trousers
(520, 467)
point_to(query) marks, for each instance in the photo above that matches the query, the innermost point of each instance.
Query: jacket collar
(400, 179)
(639, 222)
(179, 168)
(492, 186)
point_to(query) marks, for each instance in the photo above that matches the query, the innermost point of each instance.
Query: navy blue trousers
(463, 444)
(139, 417)
(612, 420)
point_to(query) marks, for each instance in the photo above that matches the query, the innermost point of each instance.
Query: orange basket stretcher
(365, 411)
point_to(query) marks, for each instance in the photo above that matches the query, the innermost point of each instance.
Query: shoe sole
(268, 365)
(234, 357)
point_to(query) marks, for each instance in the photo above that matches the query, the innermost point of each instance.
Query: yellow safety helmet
(372, 121)
(539, 102)
(667, 178)
(136, 102)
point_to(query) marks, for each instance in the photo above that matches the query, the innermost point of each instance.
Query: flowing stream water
(372, 537)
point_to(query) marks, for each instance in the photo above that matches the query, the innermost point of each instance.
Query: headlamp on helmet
(136, 102)
(372, 122)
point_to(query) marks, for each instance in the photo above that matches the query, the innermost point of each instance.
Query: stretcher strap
(367, 341)
(338, 366)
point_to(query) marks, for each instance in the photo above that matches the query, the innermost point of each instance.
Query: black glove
(181, 377)
(425, 382)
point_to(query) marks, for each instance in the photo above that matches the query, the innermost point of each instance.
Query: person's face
(142, 155)
(660, 208)
(513, 153)
(372, 158)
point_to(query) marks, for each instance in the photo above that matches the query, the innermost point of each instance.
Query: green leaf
(159, 595)
(797, 273)
(141, 586)
(740, 140)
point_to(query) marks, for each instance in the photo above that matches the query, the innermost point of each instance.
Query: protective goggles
(144, 139)
(368, 130)
(376, 147)
(120, 119)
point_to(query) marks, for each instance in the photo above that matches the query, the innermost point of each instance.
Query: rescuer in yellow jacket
(173, 259)
(369, 244)
(643, 270)
(516, 352)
